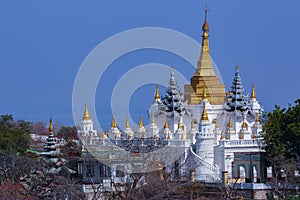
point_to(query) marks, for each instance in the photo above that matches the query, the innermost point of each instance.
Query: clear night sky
(43, 44)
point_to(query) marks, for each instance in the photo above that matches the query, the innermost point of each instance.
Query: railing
(203, 163)
(239, 143)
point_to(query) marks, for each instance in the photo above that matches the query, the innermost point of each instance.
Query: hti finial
(127, 123)
(141, 124)
(157, 95)
(113, 123)
(206, 11)
(152, 119)
(253, 94)
(204, 113)
(50, 126)
(86, 115)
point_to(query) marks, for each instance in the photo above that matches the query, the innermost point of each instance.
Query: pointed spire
(169, 136)
(127, 123)
(204, 113)
(50, 126)
(253, 94)
(256, 117)
(217, 123)
(141, 124)
(113, 123)
(205, 29)
(86, 115)
(152, 119)
(166, 124)
(157, 95)
(230, 122)
(244, 125)
(179, 123)
(236, 98)
(192, 124)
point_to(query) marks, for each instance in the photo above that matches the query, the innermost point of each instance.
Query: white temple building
(210, 126)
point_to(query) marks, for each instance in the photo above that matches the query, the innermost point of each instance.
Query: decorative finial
(166, 124)
(253, 94)
(244, 125)
(217, 123)
(204, 113)
(172, 71)
(205, 26)
(193, 124)
(50, 126)
(157, 95)
(169, 136)
(179, 123)
(205, 29)
(230, 122)
(141, 124)
(127, 123)
(152, 119)
(227, 136)
(206, 11)
(113, 123)
(256, 117)
(86, 115)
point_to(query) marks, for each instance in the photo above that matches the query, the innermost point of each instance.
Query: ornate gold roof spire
(217, 123)
(157, 95)
(204, 113)
(50, 126)
(166, 124)
(192, 124)
(141, 124)
(152, 119)
(86, 115)
(244, 125)
(179, 123)
(256, 117)
(253, 94)
(127, 123)
(205, 29)
(113, 123)
(230, 122)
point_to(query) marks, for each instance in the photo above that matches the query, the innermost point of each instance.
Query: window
(90, 171)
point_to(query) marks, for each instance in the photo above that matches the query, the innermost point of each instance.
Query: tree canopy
(14, 135)
(283, 131)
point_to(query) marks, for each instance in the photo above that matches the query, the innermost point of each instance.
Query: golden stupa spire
(179, 123)
(205, 29)
(127, 123)
(86, 115)
(204, 113)
(256, 117)
(217, 123)
(50, 126)
(230, 122)
(113, 123)
(192, 124)
(152, 119)
(244, 125)
(253, 94)
(166, 124)
(157, 95)
(141, 124)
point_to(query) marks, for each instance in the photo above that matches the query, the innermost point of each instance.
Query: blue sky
(43, 44)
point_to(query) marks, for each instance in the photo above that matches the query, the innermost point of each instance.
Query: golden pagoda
(205, 76)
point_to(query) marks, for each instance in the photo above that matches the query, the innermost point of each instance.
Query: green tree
(282, 142)
(14, 136)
